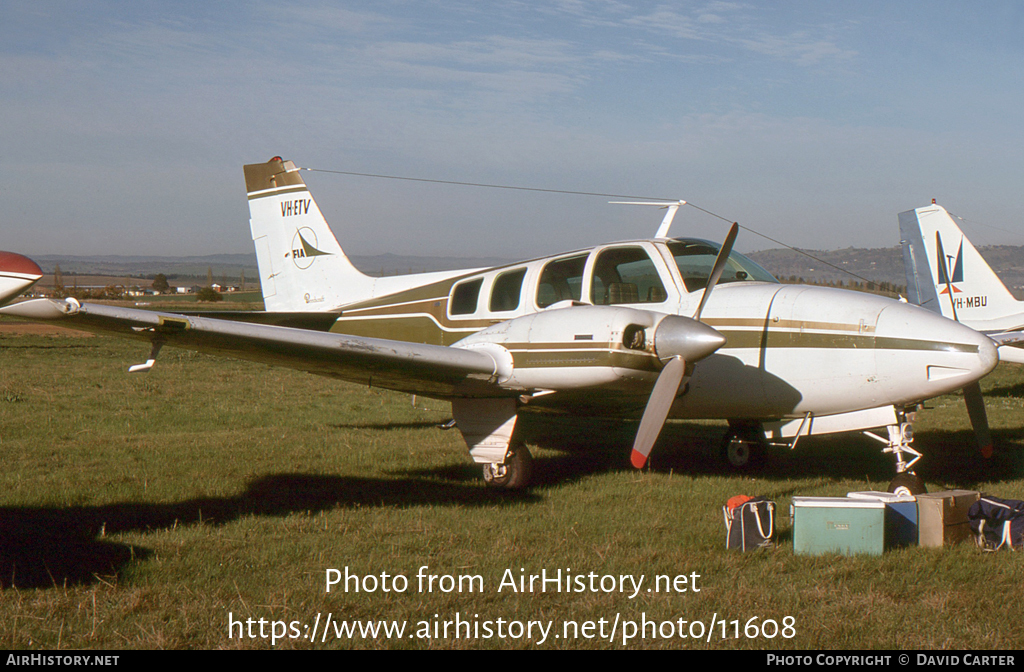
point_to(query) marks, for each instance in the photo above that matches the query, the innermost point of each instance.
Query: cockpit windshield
(695, 258)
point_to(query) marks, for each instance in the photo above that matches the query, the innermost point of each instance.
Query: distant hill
(877, 265)
(231, 266)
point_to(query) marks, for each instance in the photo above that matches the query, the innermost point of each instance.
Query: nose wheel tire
(907, 483)
(514, 473)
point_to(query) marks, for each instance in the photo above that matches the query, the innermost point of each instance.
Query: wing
(417, 368)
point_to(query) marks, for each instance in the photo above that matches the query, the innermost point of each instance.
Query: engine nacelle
(581, 346)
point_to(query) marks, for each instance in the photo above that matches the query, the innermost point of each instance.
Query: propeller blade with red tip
(662, 396)
(679, 340)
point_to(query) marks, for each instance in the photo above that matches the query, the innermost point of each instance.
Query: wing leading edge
(416, 368)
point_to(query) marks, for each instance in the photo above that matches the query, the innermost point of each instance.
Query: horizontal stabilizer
(1008, 337)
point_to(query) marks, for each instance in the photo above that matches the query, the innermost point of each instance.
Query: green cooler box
(838, 525)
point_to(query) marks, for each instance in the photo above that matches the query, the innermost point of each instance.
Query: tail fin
(973, 293)
(302, 266)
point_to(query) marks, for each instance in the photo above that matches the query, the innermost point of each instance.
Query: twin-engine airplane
(649, 329)
(962, 287)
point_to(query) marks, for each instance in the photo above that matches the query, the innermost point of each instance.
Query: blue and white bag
(997, 523)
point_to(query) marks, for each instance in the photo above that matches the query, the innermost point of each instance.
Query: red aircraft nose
(17, 274)
(14, 263)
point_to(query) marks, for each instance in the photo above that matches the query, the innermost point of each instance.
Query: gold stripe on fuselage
(777, 323)
(421, 316)
(411, 328)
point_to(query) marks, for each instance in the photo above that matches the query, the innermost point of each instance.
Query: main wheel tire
(514, 473)
(907, 483)
(744, 450)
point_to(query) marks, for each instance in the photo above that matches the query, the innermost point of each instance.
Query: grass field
(147, 511)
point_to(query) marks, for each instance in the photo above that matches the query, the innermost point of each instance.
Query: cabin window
(561, 280)
(626, 275)
(695, 259)
(506, 290)
(464, 297)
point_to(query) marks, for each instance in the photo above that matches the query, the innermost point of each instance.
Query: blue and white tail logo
(951, 268)
(946, 274)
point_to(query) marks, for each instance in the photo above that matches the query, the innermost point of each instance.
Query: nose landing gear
(898, 443)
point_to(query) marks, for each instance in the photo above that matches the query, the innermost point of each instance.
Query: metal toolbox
(942, 517)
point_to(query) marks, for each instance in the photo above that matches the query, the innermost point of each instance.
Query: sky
(125, 125)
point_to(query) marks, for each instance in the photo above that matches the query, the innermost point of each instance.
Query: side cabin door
(633, 275)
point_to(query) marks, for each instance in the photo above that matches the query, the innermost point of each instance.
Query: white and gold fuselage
(790, 350)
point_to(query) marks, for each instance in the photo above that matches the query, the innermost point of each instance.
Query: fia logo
(304, 251)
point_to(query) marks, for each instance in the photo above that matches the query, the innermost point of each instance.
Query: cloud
(724, 24)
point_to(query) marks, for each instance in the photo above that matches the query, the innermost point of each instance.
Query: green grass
(139, 511)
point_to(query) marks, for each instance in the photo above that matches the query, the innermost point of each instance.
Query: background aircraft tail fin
(302, 266)
(973, 289)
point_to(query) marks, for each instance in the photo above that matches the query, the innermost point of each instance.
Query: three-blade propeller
(679, 342)
(972, 393)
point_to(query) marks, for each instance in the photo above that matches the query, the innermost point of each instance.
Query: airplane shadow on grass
(1015, 391)
(43, 547)
(950, 458)
(387, 426)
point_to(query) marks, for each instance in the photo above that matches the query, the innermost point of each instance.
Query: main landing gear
(744, 446)
(512, 474)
